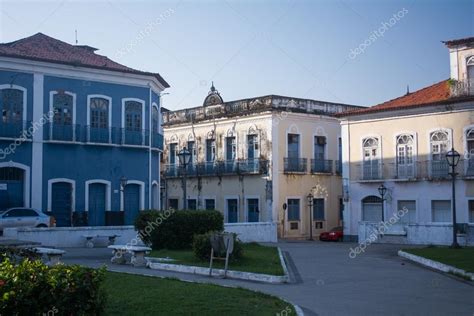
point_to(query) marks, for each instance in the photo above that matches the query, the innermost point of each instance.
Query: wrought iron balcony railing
(338, 167)
(462, 87)
(370, 171)
(111, 135)
(99, 135)
(469, 167)
(218, 168)
(419, 170)
(15, 129)
(157, 140)
(294, 165)
(321, 166)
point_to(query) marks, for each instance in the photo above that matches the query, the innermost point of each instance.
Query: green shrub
(175, 229)
(202, 247)
(33, 288)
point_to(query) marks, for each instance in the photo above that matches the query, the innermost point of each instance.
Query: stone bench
(54, 255)
(138, 254)
(90, 239)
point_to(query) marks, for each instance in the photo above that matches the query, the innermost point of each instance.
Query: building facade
(402, 144)
(256, 160)
(79, 135)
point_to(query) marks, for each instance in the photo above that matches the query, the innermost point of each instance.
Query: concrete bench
(138, 254)
(54, 255)
(90, 239)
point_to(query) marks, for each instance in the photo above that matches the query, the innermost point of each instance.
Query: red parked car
(335, 234)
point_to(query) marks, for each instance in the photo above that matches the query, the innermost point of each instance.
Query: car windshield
(337, 229)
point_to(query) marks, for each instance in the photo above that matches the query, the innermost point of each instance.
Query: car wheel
(41, 226)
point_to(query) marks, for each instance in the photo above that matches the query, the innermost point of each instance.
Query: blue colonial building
(80, 134)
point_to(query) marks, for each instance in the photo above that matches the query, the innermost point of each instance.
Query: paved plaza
(325, 281)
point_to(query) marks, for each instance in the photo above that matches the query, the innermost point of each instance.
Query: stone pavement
(325, 281)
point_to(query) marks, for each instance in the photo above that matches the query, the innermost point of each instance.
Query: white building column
(346, 159)
(37, 145)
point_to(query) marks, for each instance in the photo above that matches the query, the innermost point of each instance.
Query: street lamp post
(382, 191)
(123, 183)
(452, 157)
(310, 206)
(184, 157)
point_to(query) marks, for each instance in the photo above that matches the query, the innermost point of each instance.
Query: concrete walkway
(325, 281)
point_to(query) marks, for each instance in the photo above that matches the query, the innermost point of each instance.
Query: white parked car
(25, 217)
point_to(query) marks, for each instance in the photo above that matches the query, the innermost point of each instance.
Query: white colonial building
(256, 160)
(402, 144)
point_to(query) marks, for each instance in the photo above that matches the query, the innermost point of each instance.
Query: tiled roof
(44, 48)
(437, 93)
(460, 41)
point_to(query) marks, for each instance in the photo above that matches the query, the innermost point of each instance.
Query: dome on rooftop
(213, 97)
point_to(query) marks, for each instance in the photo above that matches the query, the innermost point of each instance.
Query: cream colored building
(402, 144)
(256, 160)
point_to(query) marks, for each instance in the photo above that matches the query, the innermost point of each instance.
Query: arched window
(12, 105)
(371, 155)
(99, 120)
(133, 122)
(470, 73)
(99, 108)
(63, 109)
(439, 145)
(133, 116)
(155, 120)
(470, 151)
(63, 119)
(405, 161)
(372, 209)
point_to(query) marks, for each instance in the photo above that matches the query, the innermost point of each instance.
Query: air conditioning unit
(321, 140)
(318, 225)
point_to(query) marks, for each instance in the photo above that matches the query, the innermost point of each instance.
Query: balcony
(253, 166)
(469, 167)
(99, 135)
(93, 135)
(370, 171)
(157, 141)
(65, 133)
(460, 88)
(219, 168)
(14, 129)
(321, 166)
(338, 167)
(439, 169)
(294, 165)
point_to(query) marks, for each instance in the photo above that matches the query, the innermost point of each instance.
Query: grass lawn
(460, 258)
(256, 258)
(141, 295)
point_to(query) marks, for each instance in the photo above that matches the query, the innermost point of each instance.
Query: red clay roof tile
(45, 48)
(436, 93)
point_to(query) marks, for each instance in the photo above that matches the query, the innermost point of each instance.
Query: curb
(435, 264)
(154, 264)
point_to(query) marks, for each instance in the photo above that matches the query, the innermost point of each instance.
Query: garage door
(131, 201)
(61, 203)
(97, 198)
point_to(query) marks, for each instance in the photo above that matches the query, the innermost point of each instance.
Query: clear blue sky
(257, 47)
